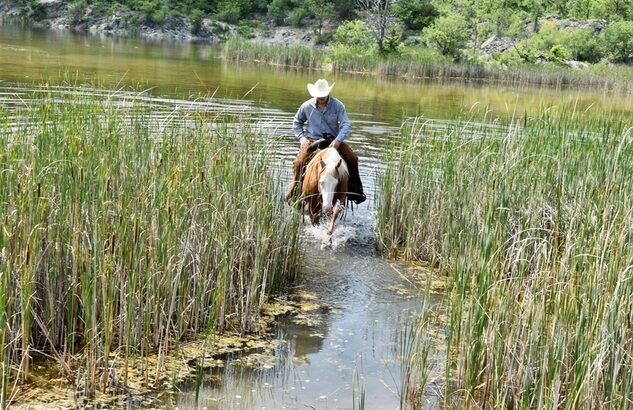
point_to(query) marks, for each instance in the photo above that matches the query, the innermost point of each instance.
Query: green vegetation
(454, 28)
(531, 224)
(122, 236)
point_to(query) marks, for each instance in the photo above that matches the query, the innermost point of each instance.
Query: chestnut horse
(325, 184)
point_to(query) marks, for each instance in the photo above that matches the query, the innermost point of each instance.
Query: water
(354, 345)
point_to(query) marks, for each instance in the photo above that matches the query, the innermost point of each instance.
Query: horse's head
(324, 183)
(328, 181)
(333, 172)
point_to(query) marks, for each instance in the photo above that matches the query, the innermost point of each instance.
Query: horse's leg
(335, 212)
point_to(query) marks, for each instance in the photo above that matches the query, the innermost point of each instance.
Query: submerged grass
(121, 236)
(532, 224)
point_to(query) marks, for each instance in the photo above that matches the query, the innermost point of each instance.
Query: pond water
(355, 345)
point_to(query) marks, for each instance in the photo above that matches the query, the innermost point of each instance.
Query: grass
(531, 223)
(125, 235)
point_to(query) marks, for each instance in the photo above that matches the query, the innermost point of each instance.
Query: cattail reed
(123, 235)
(531, 223)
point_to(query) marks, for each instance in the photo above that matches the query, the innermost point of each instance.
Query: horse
(324, 187)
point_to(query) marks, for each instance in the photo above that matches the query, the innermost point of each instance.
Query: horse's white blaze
(325, 183)
(328, 189)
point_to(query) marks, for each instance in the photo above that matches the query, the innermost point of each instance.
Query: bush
(448, 35)
(558, 54)
(618, 39)
(393, 42)
(354, 33)
(548, 36)
(518, 55)
(585, 45)
(297, 16)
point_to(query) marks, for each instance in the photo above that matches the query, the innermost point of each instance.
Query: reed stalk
(531, 223)
(122, 235)
(428, 66)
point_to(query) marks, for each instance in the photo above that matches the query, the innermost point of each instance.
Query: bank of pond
(124, 236)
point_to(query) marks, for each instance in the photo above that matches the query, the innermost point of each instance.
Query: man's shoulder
(308, 103)
(337, 102)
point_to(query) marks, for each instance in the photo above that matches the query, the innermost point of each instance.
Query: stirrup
(358, 198)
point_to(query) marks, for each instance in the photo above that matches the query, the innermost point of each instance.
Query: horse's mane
(330, 157)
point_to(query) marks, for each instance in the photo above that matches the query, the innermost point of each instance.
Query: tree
(448, 35)
(345, 9)
(380, 16)
(416, 14)
(278, 10)
(321, 10)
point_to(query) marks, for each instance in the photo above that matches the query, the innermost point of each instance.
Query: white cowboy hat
(320, 88)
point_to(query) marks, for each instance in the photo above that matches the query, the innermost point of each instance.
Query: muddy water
(337, 353)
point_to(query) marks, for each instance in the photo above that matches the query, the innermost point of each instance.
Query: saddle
(322, 143)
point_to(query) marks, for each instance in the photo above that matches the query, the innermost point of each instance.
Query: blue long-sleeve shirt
(311, 122)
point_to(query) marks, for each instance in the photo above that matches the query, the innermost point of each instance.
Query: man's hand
(335, 144)
(305, 142)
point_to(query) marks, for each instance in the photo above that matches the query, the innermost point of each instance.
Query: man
(323, 117)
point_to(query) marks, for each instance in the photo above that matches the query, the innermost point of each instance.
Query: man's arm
(299, 122)
(344, 125)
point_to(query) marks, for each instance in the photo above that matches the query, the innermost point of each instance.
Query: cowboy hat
(320, 88)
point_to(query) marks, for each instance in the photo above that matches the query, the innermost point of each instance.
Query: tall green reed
(532, 225)
(123, 234)
(296, 56)
(424, 66)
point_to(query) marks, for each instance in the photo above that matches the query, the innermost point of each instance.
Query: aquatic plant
(297, 56)
(125, 232)
(531, 223)
(424, 66)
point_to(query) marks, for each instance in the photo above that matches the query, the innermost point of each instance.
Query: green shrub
(354, 33)
(618, 38)
(297, 16)
(558, 54)
(393, 42)
(519, 54)
(548, 36)
(448, 35)
(246, 30)
(585, 45)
